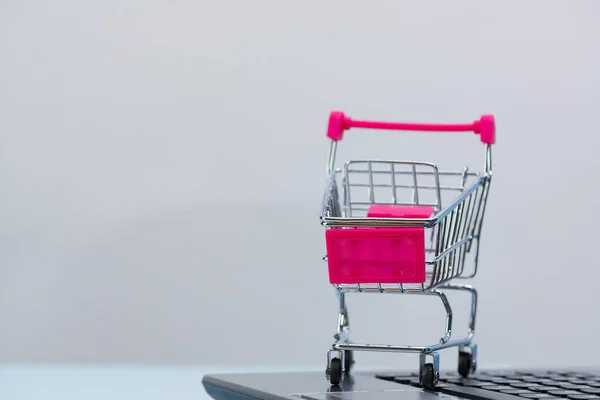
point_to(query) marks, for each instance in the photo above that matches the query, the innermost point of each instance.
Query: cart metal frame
(452, 231)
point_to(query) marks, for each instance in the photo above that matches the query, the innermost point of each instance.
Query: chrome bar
(331, 156)
(416, 187)
(385, 288)
(383, 185)
(379, 347)
(347, 203)
(440, 173)
(403, 348)
(488, 159)
(437, 183)
(385, 203)
(464, 177)
(371, 190)
(393, 171)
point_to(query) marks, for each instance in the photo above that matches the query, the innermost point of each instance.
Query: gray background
(162, 165)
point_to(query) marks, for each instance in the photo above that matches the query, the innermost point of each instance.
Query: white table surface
(115, 382)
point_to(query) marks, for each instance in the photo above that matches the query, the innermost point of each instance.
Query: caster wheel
(429, 378)
(465, 363)
(335, 371)
(348, 361)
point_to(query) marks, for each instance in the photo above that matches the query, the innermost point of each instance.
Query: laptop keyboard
(501, 385)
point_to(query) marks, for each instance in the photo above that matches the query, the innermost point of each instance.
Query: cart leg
(343, 333)
(429, 373)
(444, 299)
(473, 313)
(474, 354)
(467, 353)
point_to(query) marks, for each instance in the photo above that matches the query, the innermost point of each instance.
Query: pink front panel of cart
(376, 255)
(379, 255)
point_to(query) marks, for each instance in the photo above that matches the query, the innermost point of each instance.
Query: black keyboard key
(562, 372)
(583, 396)
(580, 375)
(537, 396)
(515, 376)
(456, 381)
(504, 381)
(559, 378)
(515, 391)
(592, 384)
(590, 378)
(533, 379)
(474, 383)
(543, 389)
(590, 390)
(544, 375)
(571, 386)
(498, 373)
(549, 382)
(484, 378)
(562, 392)
(578, 381)
(523, 385)
(495, 388)
(535, 387)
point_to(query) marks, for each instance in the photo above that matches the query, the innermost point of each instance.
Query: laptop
(491, 384)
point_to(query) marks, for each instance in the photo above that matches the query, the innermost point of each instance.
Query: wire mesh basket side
(455, 227)
(455, 234)
(408, 183)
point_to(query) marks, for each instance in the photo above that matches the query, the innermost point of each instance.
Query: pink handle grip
(485, 127)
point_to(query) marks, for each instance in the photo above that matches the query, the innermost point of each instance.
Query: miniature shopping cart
(403, 227)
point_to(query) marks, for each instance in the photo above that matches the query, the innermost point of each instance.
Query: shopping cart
(403, 227)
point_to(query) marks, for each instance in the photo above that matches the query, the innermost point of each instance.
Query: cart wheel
(335, 371)
(348, 361)
(428, 380)
(465, 363)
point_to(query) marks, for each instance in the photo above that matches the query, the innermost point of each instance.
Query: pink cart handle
(485, 127)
